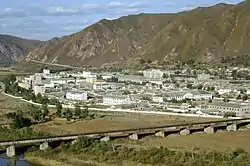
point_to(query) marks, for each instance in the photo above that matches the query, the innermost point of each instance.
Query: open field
(8, 104)
(113, 122)
(226, 141)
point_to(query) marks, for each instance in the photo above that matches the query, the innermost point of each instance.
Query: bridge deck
(118, 133)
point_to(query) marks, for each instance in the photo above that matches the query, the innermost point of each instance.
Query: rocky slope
(212, 35)
(13, 49)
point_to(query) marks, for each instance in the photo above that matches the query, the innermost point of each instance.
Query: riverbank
(88, 152)
(43, 161)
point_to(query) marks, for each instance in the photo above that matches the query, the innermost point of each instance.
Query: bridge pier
(74, 142)
(105, 139)
(209, 130)
(185, 132)
(232, 127)
(134, 136)
(160, 134)
(11, 151)
(44, 146)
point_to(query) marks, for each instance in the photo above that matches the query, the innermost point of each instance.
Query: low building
(224, 91)
(157, 99)
(91, 79)
(153, 73)
(46, 71)
(24, 85)
(103, 85)
(203, 77)
(193, 95)
(79, 96)
(239, 109)
(117, 100)
(39, 89)
(198, 95)
(179, 96)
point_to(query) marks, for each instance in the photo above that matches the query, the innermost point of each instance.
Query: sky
(45, 19)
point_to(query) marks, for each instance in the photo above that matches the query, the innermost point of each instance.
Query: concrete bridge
(134, 134)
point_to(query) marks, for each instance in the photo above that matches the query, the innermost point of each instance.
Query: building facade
(79, 96)
(153, 73)
(117, 100)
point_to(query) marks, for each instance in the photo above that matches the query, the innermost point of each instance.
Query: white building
(224, 91)
(48, 83)
(46, 71)
(36, 79)
(248, 92)
(39, 89)
(91, 79)
(153, 73)
(77, 96)
(117, 100)
(194, 95)
(203, 77)
(24, 85)
(86, 74)
(103, 86)
(157, 99)
(198, 95)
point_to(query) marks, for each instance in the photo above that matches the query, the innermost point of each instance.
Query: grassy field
(112, 122)
(8, 104)
(226, 141)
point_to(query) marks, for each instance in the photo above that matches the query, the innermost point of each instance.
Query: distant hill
(213, 35)
(13, 49)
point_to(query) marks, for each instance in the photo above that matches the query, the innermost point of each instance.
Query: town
(220, 92)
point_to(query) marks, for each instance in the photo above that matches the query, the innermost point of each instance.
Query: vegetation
(18, 120)
(14, 134)
(229, 114)
(86, 149)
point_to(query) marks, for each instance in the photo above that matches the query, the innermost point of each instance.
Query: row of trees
(78, 113)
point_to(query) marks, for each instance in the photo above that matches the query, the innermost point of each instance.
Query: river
(14, 162)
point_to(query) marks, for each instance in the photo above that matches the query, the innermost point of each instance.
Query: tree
(58, 109)
(68, 114)
(142, 61)
(234, 74)
(39, 98)
(35, 112)
(18, 120)
(225, 100)
(244, 97)
(85, 113)
(149, 61)
(77, 110)
(189, 86)
(199, 86)
(45, 111)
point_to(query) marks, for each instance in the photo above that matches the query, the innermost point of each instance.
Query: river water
(14, 162)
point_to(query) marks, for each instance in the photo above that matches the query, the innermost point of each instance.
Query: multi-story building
(39, 89)
(77, 96)
(203, 77)
(241, 109)
(153, 73)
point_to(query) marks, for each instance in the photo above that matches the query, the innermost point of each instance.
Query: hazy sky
(44, 19)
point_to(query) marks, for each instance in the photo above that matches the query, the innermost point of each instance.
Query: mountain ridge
(212, 35)
(13, 49)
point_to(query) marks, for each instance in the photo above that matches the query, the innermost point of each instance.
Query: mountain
(13, 49)
(213, 35)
